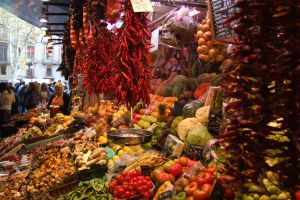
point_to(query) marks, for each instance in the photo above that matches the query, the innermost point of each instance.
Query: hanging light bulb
(44, 17)
(44, 27)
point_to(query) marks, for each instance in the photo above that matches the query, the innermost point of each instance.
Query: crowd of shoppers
(22, 97)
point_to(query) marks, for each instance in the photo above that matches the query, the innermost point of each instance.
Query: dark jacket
(66, 107)
(31, 100)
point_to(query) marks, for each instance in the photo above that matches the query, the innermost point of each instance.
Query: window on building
(3, 53)
(30, 52)
(49, 71)
(48, 53)
(3, 69)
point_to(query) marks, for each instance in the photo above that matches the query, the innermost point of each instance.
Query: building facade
(32, 61)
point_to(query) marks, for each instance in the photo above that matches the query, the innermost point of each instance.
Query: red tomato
(147, 195)
(120, 179)
(121, 191)
(207, 187)
(205, 178)
(200, 195)
(191, 188)
(127, 194)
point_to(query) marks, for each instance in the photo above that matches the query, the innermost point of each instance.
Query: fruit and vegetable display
(56, 168)
(195, 134)
(88, 190)
(131, 184)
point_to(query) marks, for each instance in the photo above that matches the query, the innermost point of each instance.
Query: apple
(163, 177)
(205, 178)
(207, 187)
(229, 194)
(175, 170)
(184, 182)
(200, 195)
(193, 178)
(168, 165)
(190, 163)
(171, 178)
(157, 172)
(191, 188)
(183, 161)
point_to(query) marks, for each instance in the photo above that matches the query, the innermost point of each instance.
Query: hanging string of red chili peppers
(132, 69)
(263, 119)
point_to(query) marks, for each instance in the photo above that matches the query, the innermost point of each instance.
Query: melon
(178, 89)
(180, 79)
(168, 91)
(196, 67)
(191, 85)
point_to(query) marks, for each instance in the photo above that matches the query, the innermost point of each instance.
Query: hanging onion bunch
(263, 116)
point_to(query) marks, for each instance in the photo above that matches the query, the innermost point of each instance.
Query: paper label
(142, 6)
(154, 40)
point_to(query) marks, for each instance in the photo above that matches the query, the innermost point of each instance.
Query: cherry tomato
(127, 194)
(147, 195)
(120, 179)
(121, 191)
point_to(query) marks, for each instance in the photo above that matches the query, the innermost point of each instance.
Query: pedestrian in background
(7, 98)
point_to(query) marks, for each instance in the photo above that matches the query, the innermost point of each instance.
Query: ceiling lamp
(44, 17)
(44, 27)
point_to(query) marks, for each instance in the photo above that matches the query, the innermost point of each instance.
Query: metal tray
(129, 136)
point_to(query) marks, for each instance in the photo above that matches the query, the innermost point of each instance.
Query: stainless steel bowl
(129, 136)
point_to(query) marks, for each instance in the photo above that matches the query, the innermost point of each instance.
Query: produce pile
(90, 190)
(209, 50)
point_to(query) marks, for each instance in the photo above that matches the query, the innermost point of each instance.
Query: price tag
(154, 40)
(146, 170)
(217, 191)
(142, 6)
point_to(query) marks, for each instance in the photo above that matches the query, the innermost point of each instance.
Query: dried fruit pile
(263, 117)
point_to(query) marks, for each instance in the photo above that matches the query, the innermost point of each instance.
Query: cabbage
(198, 135)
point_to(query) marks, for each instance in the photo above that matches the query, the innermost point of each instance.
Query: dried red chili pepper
(266, 89)
(132, 70)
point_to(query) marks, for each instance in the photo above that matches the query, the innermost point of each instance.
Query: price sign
(219, 11)
(142, 6)
(154, 40)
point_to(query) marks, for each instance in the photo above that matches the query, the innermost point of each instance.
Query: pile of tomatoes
(131, 184)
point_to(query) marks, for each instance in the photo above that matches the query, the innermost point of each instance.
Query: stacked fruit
(172, 169)
(132, 184)
(209, 50)
(196, 186)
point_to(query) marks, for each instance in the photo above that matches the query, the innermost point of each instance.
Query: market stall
(195, 109)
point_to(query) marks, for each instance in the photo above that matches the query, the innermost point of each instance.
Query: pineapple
(162, 112)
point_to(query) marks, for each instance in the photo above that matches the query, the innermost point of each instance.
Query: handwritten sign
(154, 40)
(142, 6)
(219, 11)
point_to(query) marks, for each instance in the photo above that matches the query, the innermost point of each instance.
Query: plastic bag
(179, 28)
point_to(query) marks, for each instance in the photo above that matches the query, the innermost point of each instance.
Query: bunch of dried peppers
(265, 92)
(132, 70)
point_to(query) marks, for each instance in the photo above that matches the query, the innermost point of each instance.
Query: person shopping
(59, 102)
(7, 98)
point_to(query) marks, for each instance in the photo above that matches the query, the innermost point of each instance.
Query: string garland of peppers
(132, 70)
(263, 116)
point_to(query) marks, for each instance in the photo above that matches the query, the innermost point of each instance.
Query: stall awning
(31, 10)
